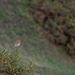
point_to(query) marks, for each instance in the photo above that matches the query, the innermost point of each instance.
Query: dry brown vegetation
(58, 22)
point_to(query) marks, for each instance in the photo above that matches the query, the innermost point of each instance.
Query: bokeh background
(18, 22)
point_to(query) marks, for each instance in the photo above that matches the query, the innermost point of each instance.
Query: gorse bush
(57, 17)
(12, 64)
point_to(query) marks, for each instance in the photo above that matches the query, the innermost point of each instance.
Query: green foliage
(12, 64)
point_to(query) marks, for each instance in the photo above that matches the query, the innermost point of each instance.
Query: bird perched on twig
(17, 43)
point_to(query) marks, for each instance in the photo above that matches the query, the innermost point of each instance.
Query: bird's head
(19, 41)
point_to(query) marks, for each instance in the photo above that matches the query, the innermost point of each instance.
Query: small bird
(17, 43)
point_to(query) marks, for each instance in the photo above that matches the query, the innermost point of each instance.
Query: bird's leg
(17, 50)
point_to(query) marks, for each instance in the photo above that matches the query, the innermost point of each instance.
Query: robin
(17, 43)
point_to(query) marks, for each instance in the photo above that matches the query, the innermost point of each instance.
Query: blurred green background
(17, 23)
